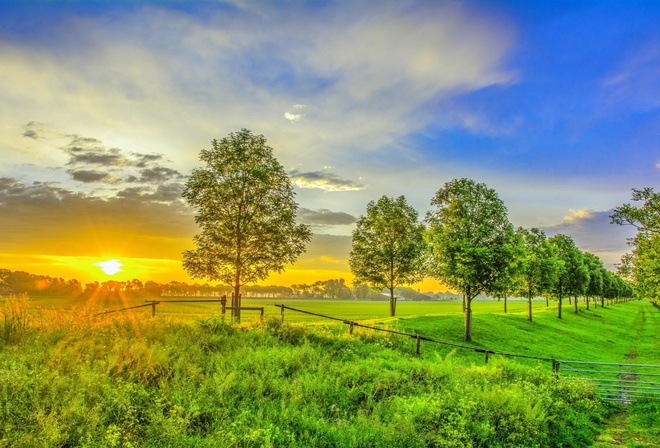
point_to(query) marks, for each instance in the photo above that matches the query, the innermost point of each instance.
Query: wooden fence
(419, 338)
(613, 381)
(222, 301)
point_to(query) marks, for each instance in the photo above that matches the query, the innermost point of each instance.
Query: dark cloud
(159, 174)
(45, 217)
(593, 232)
(87, 155)
(90, 176)
(325, 217)
(166, 193)
(31, 133)
(33, 130)
(144, 160)
(323, 180)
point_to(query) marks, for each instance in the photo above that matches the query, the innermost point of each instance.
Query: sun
(110, 267)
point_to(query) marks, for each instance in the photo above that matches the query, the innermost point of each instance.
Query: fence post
(153, 308)
(419, 341)
(282, 313)
(262, 313)
(350, 328)
(223, 303)
(555, 367)
(486, 359)
(620, 383)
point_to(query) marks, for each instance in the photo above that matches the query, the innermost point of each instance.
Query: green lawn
(185, 378)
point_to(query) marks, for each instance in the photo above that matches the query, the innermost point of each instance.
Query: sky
(105, 106)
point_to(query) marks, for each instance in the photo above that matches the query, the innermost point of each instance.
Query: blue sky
(554, 104)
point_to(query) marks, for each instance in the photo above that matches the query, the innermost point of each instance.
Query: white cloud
(292, 117)
(576, 215)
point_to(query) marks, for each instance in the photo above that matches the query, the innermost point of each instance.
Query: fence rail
(419, 338)
(614, 382)
(153, 303)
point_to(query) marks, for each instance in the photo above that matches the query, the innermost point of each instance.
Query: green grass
(189, 379)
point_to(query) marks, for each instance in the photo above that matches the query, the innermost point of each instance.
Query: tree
(246, 212)
(645, 257)
(539, 266)
(596, 268)
(510, 280)
(645, 218)
(470, 239)
(388, 246)
(573, 276)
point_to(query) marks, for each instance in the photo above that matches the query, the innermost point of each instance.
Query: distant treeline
(20, 282)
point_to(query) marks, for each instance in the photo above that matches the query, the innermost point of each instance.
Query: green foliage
(471, 239)
(573, 275)
(643, 264)
(388, 246)
(126, 382)
(246, 211)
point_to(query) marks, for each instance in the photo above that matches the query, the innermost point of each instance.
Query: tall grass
(121, 381)
(15, 317)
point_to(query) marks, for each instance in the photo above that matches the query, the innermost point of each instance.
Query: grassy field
(186, 378)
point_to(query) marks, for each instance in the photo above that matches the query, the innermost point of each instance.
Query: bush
(124, 382)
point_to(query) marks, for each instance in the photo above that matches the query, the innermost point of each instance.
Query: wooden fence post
(419, 341)
(153, 308)
(555, 367)
(282, 313)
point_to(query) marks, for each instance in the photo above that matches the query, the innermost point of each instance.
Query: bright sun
(110, 267)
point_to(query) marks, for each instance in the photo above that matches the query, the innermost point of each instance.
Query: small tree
(539, 265)
(573, 276)
(470, 238)
(246, 211)
(595, 267)
(510, 282)
(388, 247)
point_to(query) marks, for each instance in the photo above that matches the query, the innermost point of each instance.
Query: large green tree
(246, 212)
(645, 256)
(539, 268)
(388, 246)
(573, 275)
(470, 238)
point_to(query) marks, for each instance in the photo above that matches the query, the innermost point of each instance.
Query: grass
(190, 379)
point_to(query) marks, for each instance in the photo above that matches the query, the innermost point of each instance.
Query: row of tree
(246, 212)
(469, 244)
(21, 282)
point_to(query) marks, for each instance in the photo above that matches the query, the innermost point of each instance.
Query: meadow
(189, 378)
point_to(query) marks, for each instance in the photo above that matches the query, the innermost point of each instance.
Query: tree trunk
(529, 305)
(504, 304)
(547, 302)
(569, 300)
(559, 308)
(602, 302)
(587, 302)
(468, 315)
(392, 303)
(463, 303)
(575, 302)
(236, 303)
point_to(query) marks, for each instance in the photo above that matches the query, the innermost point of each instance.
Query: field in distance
(617, 333)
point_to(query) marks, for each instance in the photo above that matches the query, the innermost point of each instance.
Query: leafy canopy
(388, 246)
(246, 212)
(470, 237)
